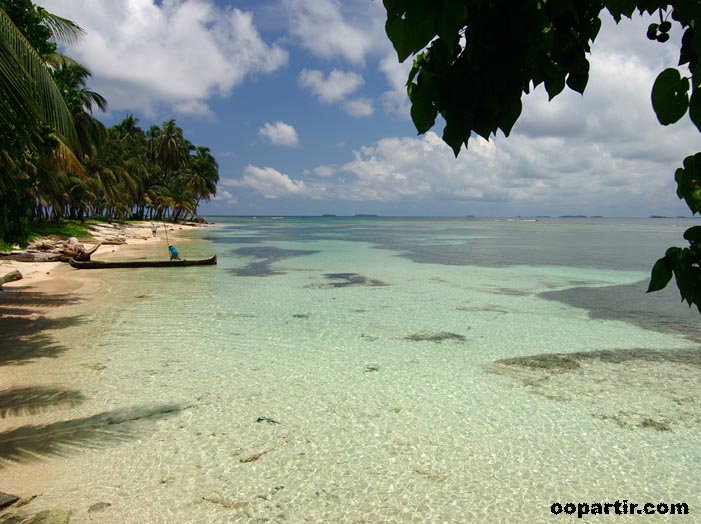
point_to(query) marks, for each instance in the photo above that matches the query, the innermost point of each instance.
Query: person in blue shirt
(174, 255)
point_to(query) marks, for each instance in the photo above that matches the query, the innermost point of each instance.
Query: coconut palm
(169, 149)
(72, 79)
(29, 97)
(202, 176)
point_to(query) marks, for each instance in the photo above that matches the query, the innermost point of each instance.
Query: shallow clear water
(372, 343)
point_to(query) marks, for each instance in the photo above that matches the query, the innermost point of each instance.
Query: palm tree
(29, 96)
(33, 114)
(169, 149)
(202, 176)
(72, 79)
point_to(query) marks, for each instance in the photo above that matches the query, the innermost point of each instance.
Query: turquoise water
(375, 346)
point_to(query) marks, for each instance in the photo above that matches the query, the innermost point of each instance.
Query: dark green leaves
(670, 96)
(695, 109)
(661, 275)
(410, 25)
(693, 234)
(683, 264)
(688, 180)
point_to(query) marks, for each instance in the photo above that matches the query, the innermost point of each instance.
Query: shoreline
(33, 361)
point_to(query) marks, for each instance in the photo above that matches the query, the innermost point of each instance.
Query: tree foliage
(475, 59)
(57, 160)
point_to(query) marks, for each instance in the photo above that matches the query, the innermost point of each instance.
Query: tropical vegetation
(474, 60)
(58, 161)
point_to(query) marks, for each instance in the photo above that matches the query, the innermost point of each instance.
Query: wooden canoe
(107, 264)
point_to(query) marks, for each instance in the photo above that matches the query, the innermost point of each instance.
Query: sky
(303, 104)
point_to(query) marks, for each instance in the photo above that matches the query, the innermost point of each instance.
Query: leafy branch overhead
(475, 59)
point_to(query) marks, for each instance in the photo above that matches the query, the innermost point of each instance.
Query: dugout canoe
(105, 264)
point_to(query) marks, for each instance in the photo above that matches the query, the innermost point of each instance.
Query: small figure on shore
(153, 229)
(174, 255)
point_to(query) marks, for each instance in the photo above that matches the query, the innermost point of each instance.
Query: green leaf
(695, 109)
(423, 114)
(693, 234)
(450, 20)
(688, 180)
(660, 276)
(422, 95)
(619, 8)
(420, 25)
(577, 81)
(395, 31)
(509, 118)
(454, 138)
(670, 96)
(554, 81)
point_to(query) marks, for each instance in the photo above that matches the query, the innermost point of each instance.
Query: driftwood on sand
(10, 277)
(49, 250)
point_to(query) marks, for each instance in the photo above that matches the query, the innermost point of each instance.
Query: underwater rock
(611, 382)
(438, 337)
(6, 499)
(654, 424)
(254, 457)
(556, 363)
(99, 506)
(571, 361)
(50, 516)
(338, 280)
(226, 504)
(431, 474)
(265, 257)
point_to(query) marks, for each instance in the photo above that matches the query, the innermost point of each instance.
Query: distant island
(328, 215)
(366, 215)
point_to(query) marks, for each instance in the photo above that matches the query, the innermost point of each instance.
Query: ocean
(381, 370)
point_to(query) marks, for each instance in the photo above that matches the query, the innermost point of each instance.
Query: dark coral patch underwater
(337, 280)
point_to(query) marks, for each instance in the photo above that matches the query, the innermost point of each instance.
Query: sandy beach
(33, 374)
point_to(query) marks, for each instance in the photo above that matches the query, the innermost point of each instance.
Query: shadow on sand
(27, 335)
(37, 441)
(25, 329)
(23, 401)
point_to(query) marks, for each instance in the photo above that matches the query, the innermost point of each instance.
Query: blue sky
(303, 104)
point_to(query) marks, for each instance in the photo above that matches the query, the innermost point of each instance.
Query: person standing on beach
(153, 229)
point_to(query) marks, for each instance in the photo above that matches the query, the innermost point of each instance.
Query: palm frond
(28, 65)
(61, 29)
(64, 159)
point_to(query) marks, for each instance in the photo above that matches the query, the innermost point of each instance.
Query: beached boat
(108, 264)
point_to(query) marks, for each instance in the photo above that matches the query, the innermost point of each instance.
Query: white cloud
(269, 182)
(331, 29)
(325, 171)
(334, 88)
(542, 174)
(396, 100)
(280, 134)
(359, 107)
(226, 197)
(176, 53)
